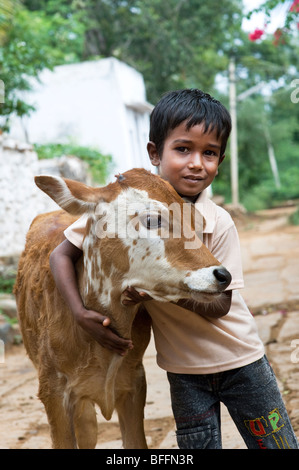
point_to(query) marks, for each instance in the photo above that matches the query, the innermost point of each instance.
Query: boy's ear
(153, 153)
(221, 159)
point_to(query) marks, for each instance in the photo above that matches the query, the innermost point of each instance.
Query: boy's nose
(195, 161)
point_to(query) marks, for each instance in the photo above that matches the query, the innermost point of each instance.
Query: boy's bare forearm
(62, 266)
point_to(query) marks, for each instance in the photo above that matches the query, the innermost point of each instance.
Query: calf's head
(140, 233)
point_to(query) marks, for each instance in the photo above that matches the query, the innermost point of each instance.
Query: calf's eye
(151, 221)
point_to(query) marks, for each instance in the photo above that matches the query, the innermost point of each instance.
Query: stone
(8, 307)
(290, 328)
(7, 333)
(265, 324)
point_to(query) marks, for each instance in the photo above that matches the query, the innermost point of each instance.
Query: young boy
(214, 355)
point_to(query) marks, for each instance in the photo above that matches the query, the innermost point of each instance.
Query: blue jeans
(253, 400)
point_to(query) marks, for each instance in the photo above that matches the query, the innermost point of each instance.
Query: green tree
(292, 11)
(28, 45)
(173, 44)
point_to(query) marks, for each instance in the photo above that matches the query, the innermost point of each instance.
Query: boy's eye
(182, 149)
(211, 153)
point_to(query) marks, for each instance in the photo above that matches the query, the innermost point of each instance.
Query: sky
(258, 20)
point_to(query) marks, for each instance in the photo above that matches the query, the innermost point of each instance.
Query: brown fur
(74, 371)
(68, 361)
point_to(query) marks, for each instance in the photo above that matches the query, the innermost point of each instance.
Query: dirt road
(270, 250)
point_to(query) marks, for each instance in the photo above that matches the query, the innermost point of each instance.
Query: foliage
(174, 44)
(7, 283)
(100, 165)
(291, 13)
(6, 14)
(271, 110)
(257, 187)
(10, 321)
(29, 43)
(294, 218)
(168, 42)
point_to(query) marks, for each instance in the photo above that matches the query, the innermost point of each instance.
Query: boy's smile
(190, 158)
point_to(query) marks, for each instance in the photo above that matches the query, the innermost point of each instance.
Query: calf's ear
(72, 196)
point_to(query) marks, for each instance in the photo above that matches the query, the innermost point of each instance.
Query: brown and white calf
(129, 241)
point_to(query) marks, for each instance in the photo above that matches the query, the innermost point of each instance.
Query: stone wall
(20, 199)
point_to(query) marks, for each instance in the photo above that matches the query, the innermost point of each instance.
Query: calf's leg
(86, 426)
(60, 415)
(130, 408)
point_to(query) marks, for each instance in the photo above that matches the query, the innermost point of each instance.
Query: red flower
(295, 6)
(257, 34)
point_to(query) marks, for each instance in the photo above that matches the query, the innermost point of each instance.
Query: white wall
(20, 199)
(101, 104)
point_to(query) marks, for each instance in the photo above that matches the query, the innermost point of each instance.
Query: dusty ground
(270, 250)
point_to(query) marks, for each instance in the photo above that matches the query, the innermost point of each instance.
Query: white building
(101, 104)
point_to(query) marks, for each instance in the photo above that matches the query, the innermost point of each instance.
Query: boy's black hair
(193, 106)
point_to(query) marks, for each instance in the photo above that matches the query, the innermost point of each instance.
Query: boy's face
(190, 158)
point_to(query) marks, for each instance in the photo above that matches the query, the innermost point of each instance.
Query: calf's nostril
(223, 276)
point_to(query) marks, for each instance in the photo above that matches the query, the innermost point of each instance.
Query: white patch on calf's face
(155, 275)
(203, 280)
(149, 270)
(167, 284)
(145, 269)
(126, 216)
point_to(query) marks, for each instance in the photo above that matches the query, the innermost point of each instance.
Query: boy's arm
(62, 263)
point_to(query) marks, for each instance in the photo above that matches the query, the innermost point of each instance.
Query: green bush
(7, 283)
(258, 198)
(294, 218)
(100, 165)
(264, 195)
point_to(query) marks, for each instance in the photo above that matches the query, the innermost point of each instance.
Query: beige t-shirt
(189, 343)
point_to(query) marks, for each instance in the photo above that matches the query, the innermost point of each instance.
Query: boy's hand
(97, 326)
(133, 297)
